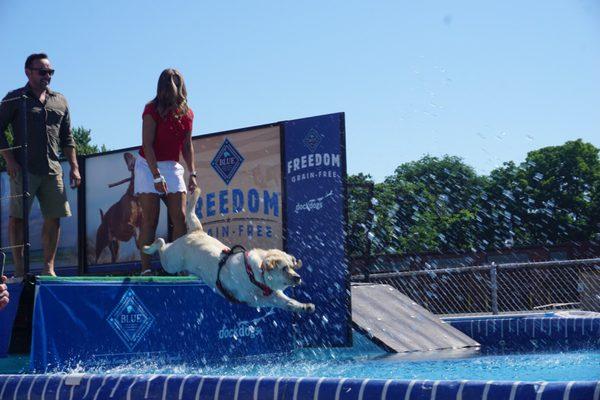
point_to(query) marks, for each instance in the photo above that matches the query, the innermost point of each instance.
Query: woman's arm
(188, 156)
(148, 134)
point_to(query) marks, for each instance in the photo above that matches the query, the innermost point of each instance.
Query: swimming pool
(363, 361)
(361, 372)
(170, 382)
(532, 356)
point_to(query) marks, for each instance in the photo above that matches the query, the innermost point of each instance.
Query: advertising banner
(113, 213)
(315, 172)
(67, 253)
(162, 320)
(240, 177)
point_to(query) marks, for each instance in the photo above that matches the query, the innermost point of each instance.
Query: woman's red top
(170, 133)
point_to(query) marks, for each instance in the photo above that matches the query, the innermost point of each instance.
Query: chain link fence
(570, 284)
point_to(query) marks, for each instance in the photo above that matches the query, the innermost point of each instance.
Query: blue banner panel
(7, 316)
(167, 320)
(315, 172)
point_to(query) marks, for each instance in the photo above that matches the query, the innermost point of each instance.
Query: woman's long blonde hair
(171, 94)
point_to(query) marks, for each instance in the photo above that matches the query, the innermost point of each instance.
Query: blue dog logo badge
(130, 319)
(312, 140)
(227, 161)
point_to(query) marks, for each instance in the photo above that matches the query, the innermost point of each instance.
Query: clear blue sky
(486, 81)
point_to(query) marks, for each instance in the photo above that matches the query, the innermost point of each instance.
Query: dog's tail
(154, 247)
(192, 221)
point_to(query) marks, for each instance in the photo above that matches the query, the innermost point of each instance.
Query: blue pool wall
(245, 388)
(530, 332)
(117, 321)
(493, 331)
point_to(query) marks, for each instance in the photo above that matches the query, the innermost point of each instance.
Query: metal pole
(371, 216)
(371, 211)
(494, 287)
(25, 176)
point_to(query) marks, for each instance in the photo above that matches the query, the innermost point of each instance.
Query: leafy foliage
(10, 139)
(83, 140)
(442, 205)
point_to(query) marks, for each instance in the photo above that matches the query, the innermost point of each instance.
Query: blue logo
(130, 319)
(227, 161)
(312, 140)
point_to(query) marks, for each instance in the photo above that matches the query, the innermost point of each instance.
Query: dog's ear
(297, 263)
(129, 160)
(269, 263)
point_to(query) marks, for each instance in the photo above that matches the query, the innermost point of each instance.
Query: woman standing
(166, 135)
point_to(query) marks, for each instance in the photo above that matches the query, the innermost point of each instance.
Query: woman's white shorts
(171, 170)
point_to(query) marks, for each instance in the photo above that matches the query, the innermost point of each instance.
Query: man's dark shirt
(48, 127)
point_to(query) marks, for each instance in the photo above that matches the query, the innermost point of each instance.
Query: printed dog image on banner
(113, 213)
(66, 254)
(240, 177)
(121, 222)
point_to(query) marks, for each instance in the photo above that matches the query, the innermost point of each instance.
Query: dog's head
(280, 269)
(129, 161)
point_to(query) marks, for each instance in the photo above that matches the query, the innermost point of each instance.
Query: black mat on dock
(398, 324)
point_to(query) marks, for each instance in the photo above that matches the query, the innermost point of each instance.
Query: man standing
(48, 128)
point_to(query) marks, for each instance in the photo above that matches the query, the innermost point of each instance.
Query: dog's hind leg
(154, 247)
(102, 236)
(191, 219)
(168, 259)
(114, 250)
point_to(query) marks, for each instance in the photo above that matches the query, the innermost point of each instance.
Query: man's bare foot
(48, 272)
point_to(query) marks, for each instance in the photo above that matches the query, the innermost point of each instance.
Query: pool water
(456, 365)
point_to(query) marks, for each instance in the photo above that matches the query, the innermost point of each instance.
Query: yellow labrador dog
(256, 277)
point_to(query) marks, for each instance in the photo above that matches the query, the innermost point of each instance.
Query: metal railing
(24, 245)
(571, 284)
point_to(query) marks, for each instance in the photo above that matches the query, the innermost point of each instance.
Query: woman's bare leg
(150, 210)
(176, 207)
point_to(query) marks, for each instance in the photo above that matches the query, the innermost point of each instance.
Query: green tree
(83, 139)
(438, 201)
(504, 208)
(10, 139)
(360, 188)
(440, 204)
(562, 184)
(550, 198)
(428, 205)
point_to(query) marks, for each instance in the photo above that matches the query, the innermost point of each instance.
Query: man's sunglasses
(43, 71)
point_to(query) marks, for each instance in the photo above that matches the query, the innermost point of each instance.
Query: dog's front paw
(309, 308)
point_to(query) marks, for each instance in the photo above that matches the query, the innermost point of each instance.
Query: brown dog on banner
(122, 220)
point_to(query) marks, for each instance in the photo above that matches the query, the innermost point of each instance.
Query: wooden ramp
(398, 324)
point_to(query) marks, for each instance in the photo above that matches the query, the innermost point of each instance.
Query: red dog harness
(267, 291)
